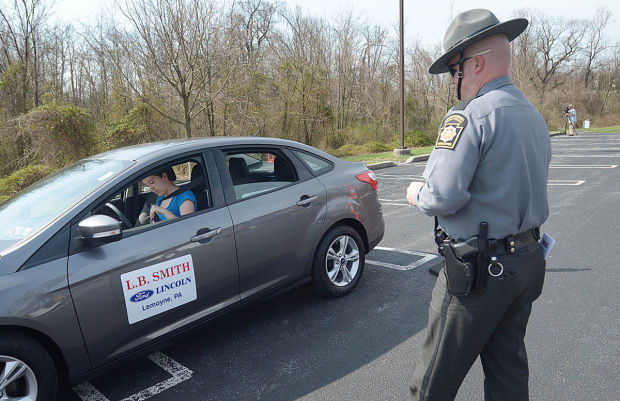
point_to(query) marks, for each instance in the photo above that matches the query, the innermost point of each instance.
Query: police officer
(490, 164)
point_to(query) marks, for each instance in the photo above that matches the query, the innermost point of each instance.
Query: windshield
(30, 210)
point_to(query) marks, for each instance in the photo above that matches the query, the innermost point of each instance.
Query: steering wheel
(119, 214)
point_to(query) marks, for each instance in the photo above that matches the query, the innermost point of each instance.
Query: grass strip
(605, 130)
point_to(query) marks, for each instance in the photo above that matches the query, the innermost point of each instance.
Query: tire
(331, 277)
(38, 378)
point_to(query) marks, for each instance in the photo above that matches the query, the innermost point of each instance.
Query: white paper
(547, 243)
(105, 176)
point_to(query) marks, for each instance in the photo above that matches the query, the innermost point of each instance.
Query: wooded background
(189, 68)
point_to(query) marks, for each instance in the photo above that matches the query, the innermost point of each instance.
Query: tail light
(369, 177)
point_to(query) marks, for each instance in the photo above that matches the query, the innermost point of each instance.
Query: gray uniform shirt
(490, 163)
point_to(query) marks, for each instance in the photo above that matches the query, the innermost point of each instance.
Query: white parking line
(566, 182)
(583, 166)
(399, 177)
(560, 155)
(87, 392)
(425, 258)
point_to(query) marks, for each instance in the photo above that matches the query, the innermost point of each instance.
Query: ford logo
(141, 296)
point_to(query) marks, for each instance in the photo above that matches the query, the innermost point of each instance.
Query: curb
(376, 166)
(419, 158)
(413, 159)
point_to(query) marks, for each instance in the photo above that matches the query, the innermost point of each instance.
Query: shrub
(416, 139)
(22, 178)
(53, 135)
(348, 150)
(376, 147)
(139, 125)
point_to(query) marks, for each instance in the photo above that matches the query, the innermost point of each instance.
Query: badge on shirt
(450, 131)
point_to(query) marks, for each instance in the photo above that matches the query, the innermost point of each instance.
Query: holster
(465, 263)
(459, 272)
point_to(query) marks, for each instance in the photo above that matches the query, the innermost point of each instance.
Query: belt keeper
(510, 244)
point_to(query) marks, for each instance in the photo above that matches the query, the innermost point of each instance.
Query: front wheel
(338, 262)
(27, 372)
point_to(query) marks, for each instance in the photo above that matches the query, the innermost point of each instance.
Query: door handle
(207, 235)
(306, 200)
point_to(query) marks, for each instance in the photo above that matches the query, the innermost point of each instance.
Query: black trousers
(490, 325)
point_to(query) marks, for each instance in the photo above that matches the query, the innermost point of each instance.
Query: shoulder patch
(450, 131)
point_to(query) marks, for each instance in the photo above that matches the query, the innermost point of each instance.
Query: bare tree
(609, 78)
(21, 25)
(558, 43)
(595, 42)
(167, 45)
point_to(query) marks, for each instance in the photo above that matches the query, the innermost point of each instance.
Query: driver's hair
(169, 172)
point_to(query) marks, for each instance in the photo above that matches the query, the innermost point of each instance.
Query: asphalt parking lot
(298, 346)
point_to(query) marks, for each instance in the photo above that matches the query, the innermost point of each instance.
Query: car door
(278, 210)
(157, 278)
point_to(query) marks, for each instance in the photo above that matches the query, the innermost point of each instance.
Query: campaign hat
(471, 26)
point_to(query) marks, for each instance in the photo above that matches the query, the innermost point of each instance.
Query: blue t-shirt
(175, 203)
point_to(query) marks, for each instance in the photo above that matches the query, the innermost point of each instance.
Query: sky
(425, 20)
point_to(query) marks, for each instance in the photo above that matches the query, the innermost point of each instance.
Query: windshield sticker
(105, 176)
(158, 288)
(21, 231)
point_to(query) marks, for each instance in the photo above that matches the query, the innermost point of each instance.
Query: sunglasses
(451, 66)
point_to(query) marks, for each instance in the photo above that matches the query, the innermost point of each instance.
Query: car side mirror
(100, 229)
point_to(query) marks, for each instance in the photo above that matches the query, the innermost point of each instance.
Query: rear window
(316, 164)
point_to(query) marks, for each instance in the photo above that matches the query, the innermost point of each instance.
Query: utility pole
(402, 150)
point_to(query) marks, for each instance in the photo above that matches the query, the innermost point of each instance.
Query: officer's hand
(413, 190)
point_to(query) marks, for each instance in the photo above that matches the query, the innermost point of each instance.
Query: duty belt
(512, 243)
(468, 261)
(502, 246)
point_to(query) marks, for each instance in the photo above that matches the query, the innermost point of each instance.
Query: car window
(30, 210)
(315, 163)
(183, 181)
(257, 172)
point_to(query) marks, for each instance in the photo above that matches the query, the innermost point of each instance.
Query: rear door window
(256, 172)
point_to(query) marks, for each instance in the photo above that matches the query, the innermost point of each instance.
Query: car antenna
(259, 130)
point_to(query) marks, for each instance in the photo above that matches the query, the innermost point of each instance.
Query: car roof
(147, 151)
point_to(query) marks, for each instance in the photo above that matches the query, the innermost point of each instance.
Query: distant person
(486, 185)
(572, 120)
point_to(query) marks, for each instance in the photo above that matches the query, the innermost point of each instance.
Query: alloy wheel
(342, 260)
(17, 380)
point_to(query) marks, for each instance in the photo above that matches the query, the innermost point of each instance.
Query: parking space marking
(400, 177)
(394, 202)
(426, 257)
(87, 392)
(583, 166)
(597, 156)
(566, 182)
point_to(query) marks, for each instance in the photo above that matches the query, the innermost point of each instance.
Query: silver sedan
(112, 255)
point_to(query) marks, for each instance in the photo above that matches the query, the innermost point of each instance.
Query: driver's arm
(143, 217)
